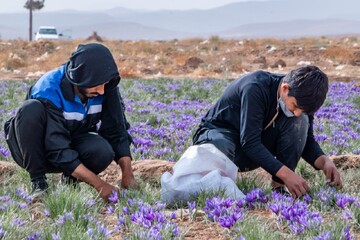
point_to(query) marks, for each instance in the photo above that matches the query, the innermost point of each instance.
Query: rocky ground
(216, 58)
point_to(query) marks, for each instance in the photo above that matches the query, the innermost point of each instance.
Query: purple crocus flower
(114, 198)
(154, 233)
(18, 222)
(236, 216)
(226, 221)
(90, 232)
(126, 211)
(347, 214)
(62, 219)
(103, 230)
(275, 207)
(150, 220)
(241, 203)
(172, 215)
(149, 216)
(34, 236)
(110, 210)
(131, 202)
(159, 206)
(347, 234)
(22, 205)
(4, 151)
(307, 198)
(47, 212)
(343, 199)
(90, 202)
(175, 230)
(256, 195)
(56, 236)
(227, 203)
(121, 220)
(5, 198)
(191, 205)
(2, 232)
(323, 236)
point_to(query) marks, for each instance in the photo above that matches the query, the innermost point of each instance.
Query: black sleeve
(58, 140)
(312, 149)
(114, 125)
(252, 114)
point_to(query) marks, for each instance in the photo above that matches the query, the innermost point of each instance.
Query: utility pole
(30, 20)
(33, 5)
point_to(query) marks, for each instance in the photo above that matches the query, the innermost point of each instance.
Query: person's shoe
(282, 190)
(38, 188)
(70, 180)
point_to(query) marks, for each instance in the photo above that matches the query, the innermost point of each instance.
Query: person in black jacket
(73, 122)
(266, 120)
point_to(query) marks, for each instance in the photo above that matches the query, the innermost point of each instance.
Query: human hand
(105, 190)
(129, 181)
(295, 184)
(332, 175)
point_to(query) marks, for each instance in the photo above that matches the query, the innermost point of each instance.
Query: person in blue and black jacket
(266, 120)
(73, 122)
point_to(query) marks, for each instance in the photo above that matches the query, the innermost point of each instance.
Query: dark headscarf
(92, 65)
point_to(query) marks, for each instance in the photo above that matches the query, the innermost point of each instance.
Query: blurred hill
(273, 18)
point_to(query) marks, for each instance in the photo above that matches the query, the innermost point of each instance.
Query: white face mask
(286, 111)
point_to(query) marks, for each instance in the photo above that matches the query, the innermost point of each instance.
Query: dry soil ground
(216, 58)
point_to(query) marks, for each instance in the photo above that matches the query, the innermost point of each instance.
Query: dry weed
(340, 54)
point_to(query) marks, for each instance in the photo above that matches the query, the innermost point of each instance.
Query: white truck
(46, 32)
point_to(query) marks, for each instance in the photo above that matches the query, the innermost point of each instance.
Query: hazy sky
(8, 6)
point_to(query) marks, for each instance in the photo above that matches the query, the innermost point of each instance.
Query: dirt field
(216, 58)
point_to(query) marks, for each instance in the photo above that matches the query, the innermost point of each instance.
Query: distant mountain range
(272, 18)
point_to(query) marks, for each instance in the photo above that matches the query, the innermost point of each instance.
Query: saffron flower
(114, 198)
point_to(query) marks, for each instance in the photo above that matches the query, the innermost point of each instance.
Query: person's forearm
(125, 165)
(283, 173)
(85, 175)
(320, 161)
(128, 178)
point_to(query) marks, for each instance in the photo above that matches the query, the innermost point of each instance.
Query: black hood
(91, 65)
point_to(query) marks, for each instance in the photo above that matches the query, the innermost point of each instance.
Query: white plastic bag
(201, 167)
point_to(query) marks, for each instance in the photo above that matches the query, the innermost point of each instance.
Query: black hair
(309, 85)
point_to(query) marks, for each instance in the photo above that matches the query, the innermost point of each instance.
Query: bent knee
(98, 158)
(33, 108)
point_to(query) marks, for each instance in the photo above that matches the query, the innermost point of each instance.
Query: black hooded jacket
(245, 109)
(90, 65)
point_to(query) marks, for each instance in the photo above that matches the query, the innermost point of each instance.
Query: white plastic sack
(201, 167)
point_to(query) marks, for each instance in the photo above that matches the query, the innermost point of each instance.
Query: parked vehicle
(46, 32)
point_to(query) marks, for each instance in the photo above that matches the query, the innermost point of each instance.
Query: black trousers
(286, 141)
(25, 135)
